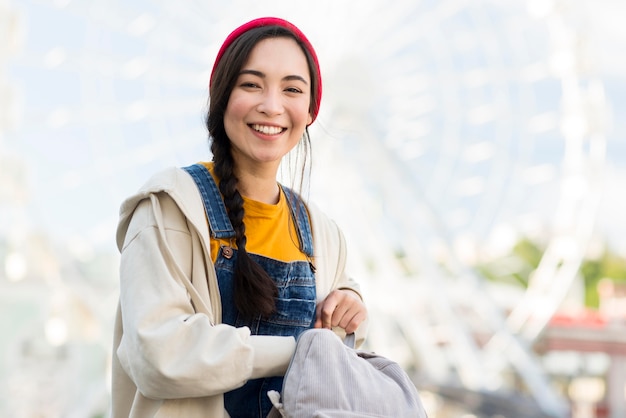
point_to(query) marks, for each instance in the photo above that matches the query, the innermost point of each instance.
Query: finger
(347, 317)
(353, 318)
(326, 317)
(340, 312)
(354, 323)
(326, 310)
(318, 315)
(321, 319)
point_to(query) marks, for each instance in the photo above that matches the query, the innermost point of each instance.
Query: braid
(254, 288)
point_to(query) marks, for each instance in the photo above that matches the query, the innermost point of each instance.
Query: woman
(221, 267)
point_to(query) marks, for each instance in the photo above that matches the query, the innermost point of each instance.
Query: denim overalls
(295, 305)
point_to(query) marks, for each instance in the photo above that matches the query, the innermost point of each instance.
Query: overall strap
(219, 224)
(301, 218)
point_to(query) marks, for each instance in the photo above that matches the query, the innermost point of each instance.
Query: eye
(293, 90)
(249, 85)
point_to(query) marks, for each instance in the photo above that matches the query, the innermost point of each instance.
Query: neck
(259, 185)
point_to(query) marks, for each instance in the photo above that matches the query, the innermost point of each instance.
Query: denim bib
(295, 304)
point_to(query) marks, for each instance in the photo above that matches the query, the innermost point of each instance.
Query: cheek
(234, 109)
(233, 116)
(303, 114)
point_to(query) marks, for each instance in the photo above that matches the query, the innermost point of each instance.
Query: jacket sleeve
(168, 349)
(330, 261)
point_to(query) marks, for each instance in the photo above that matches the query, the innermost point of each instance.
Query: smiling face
(268, 108)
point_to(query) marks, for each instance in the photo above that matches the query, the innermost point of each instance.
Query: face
(268, 109)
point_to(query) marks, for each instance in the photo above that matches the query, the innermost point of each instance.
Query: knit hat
(275, 21)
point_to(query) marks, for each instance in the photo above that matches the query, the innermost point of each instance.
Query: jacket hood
(173, 181)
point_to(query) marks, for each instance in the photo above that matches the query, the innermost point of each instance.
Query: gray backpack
(328, 378)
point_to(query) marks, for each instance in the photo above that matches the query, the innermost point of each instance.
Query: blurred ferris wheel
(485, 120)
(448, 129)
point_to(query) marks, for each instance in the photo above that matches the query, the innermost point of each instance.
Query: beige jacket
(172, 356)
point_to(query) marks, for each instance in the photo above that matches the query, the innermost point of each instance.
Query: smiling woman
(268, 111)
(222, 267)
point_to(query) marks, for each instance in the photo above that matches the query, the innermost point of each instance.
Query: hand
(342, 308)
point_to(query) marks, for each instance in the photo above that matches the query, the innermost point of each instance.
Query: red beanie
(275, 21)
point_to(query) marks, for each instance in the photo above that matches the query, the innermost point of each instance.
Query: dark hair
(253, 287)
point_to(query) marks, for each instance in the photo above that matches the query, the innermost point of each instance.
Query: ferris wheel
(443, 133)
(465, 137)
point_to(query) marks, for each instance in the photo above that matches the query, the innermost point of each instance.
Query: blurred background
(473, 152)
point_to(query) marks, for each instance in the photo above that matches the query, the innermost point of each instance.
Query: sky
(103, 94)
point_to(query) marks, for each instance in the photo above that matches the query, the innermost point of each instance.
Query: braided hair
(254, 289)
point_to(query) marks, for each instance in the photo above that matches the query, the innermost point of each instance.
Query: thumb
(318, 316)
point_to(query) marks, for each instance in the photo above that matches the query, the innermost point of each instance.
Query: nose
(271, 102)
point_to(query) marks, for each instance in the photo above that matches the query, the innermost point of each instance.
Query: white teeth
(267, 130)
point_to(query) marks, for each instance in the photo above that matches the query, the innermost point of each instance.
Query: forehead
(280, 54)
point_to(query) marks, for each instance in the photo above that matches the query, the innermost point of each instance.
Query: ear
(309, 120)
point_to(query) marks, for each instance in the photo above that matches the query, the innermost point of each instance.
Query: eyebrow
(262, 75)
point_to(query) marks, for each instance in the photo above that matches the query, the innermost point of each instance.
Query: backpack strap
(350, 340)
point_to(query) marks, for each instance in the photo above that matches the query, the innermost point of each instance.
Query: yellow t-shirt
(270, 230)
